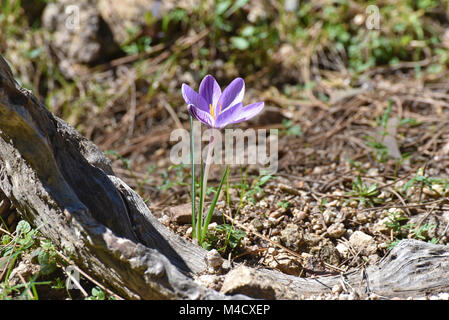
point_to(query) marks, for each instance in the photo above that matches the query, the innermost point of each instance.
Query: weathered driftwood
(63, 183)
(59, 181)
(412, 269)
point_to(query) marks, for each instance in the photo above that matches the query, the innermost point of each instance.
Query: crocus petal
(249, 111)
(228, 116)
(210, 90)
(233, 94)
(191, 97)
(201, 115)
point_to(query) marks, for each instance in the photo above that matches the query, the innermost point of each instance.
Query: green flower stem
(192, 161)
(203, 186)
(200, 208)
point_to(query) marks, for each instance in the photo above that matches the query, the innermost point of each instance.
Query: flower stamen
(211, 111)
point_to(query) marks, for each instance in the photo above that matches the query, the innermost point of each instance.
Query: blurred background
(113, 69)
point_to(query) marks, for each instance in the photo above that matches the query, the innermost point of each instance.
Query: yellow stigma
(212, 110)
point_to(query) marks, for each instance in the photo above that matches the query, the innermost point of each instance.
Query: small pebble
(257, 224)
(444, 296)
(212, 226)
(336, 230)
(337, 288)
(214, 259)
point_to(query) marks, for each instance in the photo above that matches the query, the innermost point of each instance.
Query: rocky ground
(323, 213)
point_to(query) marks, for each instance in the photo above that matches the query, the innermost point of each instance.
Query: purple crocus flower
(218, 109)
